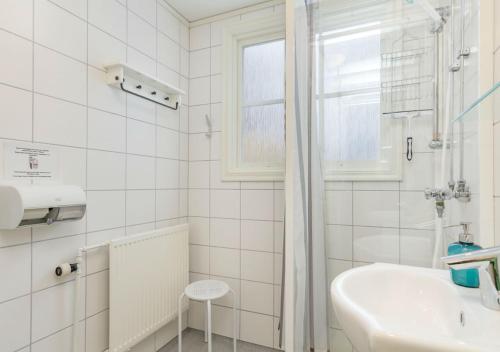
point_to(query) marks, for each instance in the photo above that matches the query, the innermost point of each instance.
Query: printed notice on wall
(26, 161)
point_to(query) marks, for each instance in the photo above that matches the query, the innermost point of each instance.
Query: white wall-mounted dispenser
(28, 205)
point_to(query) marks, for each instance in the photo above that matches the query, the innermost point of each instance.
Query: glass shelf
(492, 94)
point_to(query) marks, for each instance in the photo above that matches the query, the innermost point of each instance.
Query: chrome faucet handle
(486, 262)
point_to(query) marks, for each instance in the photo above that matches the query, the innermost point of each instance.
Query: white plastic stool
(207, 291)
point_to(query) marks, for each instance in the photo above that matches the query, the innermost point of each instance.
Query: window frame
(235, 38)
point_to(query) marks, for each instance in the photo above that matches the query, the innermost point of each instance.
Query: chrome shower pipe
(451, 83)
(462, 90)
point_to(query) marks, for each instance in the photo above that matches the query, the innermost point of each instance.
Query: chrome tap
(439, 196)
(462, 193)
(486, 262)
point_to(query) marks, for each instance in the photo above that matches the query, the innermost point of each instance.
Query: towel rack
(142, 85)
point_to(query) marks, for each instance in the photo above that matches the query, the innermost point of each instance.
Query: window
(254, 122)
(358, 143)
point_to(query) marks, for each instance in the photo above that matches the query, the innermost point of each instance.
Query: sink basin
(395, 308)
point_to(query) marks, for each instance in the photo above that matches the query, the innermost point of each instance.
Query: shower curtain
(309, 265)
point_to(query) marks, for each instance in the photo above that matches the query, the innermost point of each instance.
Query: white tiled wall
(128, 154)
(236, 227)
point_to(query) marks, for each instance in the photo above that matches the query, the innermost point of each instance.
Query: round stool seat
(205, 290)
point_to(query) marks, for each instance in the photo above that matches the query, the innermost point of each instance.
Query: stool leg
(205, 322)
(209, 325)
(235, 320)
(179, 322)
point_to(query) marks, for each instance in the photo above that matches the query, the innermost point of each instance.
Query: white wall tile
(199, 147)
(257, 297)
(97, 292)
(416, 247)
(216, 89)
(168, 52)
(197, 118)
(416, 211)
(225, 233)
(106, 131)
(225, 204)
(103, 96)
(199, 37)
(15, 113)
(339, 207)
(53, 309)
(140, 138)
(418, 174)
(199, 231)
(199, 91)
(257, 266)
(199, 172)
(60, 30)
(199, 259)
(144, 8)
(225, 262)
(104, 49)
(257, 328)
(59, 76)
(184, 36)
(375, 244)
(257, 205)
(74, 161)
(216, 60)
(167, 204)
(96, 338)
(109, 16)
(257, 235)
(168, 24)
(199, 203)
(140, 207)
(15, 237)
(59, 122)
(15, 324)
(339, 242)
(15, 262)
(169, 118)
(167, 143)
(141, 61)
(105, 170)
(60, 341)
(199, 63)
(141, 35)
(17, 16)
(140, 109)
(105, 210)
(376, 208)
(47, 255)
(216, 181)
(140, 172)
(167, 173)
(16, 61)
(184, 62)
(77, 7)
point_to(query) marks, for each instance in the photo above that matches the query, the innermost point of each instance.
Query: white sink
(396, 308)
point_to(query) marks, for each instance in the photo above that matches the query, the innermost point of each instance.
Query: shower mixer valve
(439, 195)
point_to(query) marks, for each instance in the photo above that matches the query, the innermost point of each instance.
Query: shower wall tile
(123, 151)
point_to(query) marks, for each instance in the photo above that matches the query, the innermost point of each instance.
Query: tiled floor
(192, 341)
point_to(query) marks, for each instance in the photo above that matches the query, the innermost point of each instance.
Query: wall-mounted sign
(27, 161)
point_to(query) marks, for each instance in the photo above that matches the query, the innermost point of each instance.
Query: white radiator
(147, 273)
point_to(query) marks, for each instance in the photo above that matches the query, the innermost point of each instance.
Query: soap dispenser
(464, 277)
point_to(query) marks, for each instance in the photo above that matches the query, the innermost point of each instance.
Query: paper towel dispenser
(28, 205)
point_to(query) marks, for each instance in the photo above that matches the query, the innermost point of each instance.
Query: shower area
(379, 169)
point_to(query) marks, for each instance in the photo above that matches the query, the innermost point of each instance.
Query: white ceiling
(197, 9)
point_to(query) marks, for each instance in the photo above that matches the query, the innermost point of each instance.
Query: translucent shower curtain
(310, 301)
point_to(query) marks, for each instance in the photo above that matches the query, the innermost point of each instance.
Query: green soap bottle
(464, 277)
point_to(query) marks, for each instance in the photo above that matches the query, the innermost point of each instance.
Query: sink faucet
(486, 262)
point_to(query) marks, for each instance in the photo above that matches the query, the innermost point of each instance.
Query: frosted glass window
(352, 127)
(262, 114)
(350, 82)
